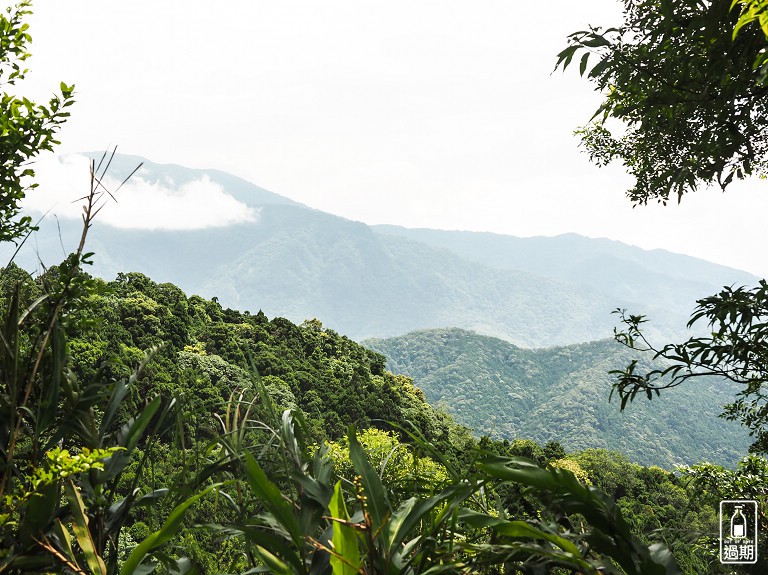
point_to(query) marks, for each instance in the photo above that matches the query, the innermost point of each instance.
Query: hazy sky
(438, 114)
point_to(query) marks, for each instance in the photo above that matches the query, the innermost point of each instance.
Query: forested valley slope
(561, 393)
(211, 363)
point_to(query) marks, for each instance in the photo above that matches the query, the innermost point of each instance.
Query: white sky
(437, 114)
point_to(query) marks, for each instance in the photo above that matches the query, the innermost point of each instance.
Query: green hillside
(256, 480)
(207, 352)
(561, 394)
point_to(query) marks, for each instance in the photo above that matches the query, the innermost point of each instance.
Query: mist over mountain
(293, 261)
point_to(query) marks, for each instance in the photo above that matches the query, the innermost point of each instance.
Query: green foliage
(752, 11)
(65, 438)
(737, 320)
(574, 467)
(561, 394)
(209, 353)
(226, 430)
(28, 128)
(395, 461)
(710, 484)
(686, 83)
(659, 506)
(317, 526)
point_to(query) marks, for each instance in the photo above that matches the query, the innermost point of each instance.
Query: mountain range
(383, 281)
(561, 394)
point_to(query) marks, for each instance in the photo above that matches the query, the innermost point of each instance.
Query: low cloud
(140, 204)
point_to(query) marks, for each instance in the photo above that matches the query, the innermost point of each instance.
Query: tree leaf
(271, 497)
(345, 559)
(164, 534)
(82, 533)
(377, 502)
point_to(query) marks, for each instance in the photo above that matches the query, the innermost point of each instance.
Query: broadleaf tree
(27, 128)
(686, 106)
(685, 86)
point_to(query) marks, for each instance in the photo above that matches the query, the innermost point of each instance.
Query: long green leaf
(270, 496)
(48, 404)
(65, 539)
(164, 534)
(517, 529)
(411, 512)
(275, 564)
(524, 471)
(277, 545)
(82, 533)
(40, 510)
(610, 535)
(119, 393)
(378, 503)
(345, 559)
(132, 431)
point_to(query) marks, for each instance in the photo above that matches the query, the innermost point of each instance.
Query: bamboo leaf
(524, 471)
(345, 559)
(39, 513)
(407, 517)
(63, 535)
(119, 393)
(517, 529)
(82, 533)
(132, 431)
(378, 504)
(270, 496)
(164, 534)
(274, 563)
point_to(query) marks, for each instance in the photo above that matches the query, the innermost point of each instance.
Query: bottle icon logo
(738, 524)
(738, 531)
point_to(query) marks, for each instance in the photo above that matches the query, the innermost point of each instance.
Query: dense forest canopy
(214, 363)
(688, 84)
(562, 394)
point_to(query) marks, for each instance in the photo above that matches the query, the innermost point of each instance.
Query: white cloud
(140, 204)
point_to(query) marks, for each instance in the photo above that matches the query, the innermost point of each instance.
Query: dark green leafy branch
(737, 350)
(684, 95)
(27, 128)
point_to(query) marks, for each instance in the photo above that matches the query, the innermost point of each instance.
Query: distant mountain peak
(122, 165)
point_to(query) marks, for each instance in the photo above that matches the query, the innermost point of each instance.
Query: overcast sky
(439, 114)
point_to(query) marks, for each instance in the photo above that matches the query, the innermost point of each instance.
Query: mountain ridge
(561, 394)
(368, 281)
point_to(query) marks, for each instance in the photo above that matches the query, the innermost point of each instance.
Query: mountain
(561, 393)
(660, 284)
(363, 281)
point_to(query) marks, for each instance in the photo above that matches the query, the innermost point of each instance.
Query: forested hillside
(146, 430)
(206, 352)
(207, 367)
(562, 394)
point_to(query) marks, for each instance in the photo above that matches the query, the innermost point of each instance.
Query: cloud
(140, 204)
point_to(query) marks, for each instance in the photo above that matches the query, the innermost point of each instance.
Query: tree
(69, 476)
(686, 86)
(688, 82)
(736, 350)
(28, 128)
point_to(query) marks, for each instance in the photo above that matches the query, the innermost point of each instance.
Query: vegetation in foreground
(237, 422)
